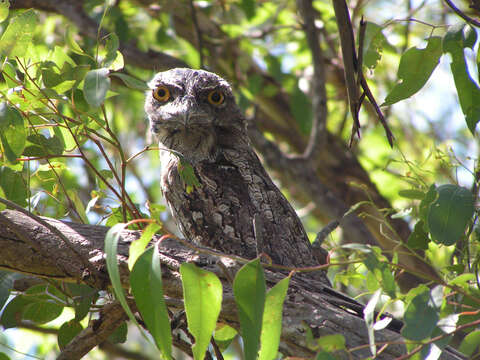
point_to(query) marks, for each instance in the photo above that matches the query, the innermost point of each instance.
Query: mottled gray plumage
(237, 209)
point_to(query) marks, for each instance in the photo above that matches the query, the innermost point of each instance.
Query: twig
(462, 14)
(112, 315)
(318, 134)
(351, 70)
(381, 118)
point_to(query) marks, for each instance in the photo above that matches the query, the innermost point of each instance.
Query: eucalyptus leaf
(416, 67)
(96, 86)
(17, 37)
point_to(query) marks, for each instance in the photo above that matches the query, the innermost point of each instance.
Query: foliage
(72, 146)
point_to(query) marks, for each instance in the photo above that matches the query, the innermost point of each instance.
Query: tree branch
(308, 303)
(73, 10)
(318, 136)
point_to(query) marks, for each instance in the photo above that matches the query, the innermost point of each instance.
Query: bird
(230, 203)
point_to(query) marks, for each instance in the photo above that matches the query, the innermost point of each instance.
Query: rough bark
(32, 248)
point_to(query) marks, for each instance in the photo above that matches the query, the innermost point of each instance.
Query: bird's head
(184, 98)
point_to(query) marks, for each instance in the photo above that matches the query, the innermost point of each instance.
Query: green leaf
(249, 290)
(84, 296)
(9, 73)
(147, 289)
(462, 280)
(418, 238)
(248, 6)
(187, 173)
(416, 67)
(373, 45)
(468, 91)
(111, 46)
(470, 344)
(301, 109)
(13, 186)
(96, 86)
(119, 336)
(18, 36)
(79, 207)
(323, 355)
(272, 320)
(13, 134)
(138, 246)
(41, 312)
(4, 356)
(425, 204)
(449, 215)
(4, 7)
(6, 284)
(331, 342)
(67, 332)
(369, 317)
(13, 311)
(40, 145)
(70, 41)
(224, 335)
(412, 194)
(131, 82)
(202, 293)
(111, 241)
(420, 317)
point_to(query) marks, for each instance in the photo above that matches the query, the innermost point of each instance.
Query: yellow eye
(216, 97)
(161, 93)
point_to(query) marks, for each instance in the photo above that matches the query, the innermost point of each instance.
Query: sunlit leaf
(416, 67)
(369, 316)
(111, 46)
(202, 293)
(13, 134)
(471, 343)
(111, 244)
(138, 246)
(4, 9)
(13, 185)
(187, 173)
(131, 82)
(70, 40)
(224, 335)
(10, 75)
(249, 290)
(331, 342)
(96, 86)
(272, 320)
(373, 44)
(467, 89)
(18, 35)
(147, 289)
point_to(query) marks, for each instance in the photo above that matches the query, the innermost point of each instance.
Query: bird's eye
(161, 93)
(216, 97)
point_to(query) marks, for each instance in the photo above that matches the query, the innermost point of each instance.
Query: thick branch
(308, 302)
